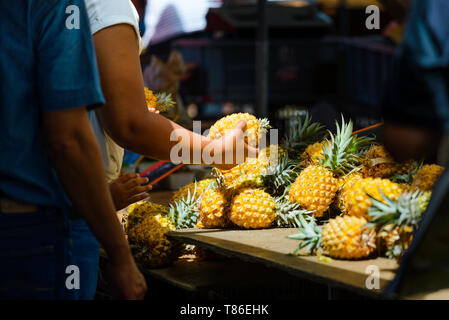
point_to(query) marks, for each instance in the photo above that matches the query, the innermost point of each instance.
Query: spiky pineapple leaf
(164, 101)
(342, 152)
(310, 235)
(298, 138)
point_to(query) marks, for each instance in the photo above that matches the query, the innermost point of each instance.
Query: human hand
(128, 189)
(127, 281)
(232, 148)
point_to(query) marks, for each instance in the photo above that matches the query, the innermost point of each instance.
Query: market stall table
(272, 248)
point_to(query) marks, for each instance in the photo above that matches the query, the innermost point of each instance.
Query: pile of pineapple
(346, 195)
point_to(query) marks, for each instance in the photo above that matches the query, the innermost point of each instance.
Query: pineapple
(149, 243)
(195, 188)
(316, 186)
(252, 209)
(160, 102)
(213, 206)
(314, 152)
(300, 137)
(136, 212)
(314, 189)
(345, 184)
(246, 174)
(396, 220)
(426, 177)
(255, 127)
(357, 197)
(272, 152)
(378, 163)
(348, 238)
(341, 238)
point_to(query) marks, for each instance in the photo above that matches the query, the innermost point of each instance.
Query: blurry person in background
(54, 200)
(416, 114)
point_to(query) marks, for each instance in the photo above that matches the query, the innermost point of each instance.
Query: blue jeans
(36, 249)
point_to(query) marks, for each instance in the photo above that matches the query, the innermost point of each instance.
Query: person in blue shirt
(54, 200)
(416, 114)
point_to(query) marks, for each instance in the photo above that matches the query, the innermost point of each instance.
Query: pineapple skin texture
(252, 209)
(246, 174)
(344, 185)
(313, 153)
(150, 99)
(222, 126)
(314, 189)
(139, 210)
(201, 186)
(347, 238)
(270, 150)
(151, 248)
(212, 208)
(426, 177)
(357, 201)
(378, 163)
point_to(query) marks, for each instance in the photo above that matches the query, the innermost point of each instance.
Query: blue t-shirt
(47, 64)
(418, 94)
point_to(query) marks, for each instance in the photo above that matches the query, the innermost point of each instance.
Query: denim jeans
(36, 249)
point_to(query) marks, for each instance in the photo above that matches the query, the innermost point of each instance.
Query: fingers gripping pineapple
(255, 127)
(317, 185)
(357, 198)
(213, 208)
(252, 209)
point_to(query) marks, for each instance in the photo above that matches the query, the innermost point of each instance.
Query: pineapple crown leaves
(281, 174)
(307, 132)
(164, 101)
(342, 152)
(288, 213)
(184, 211)
(264, 125)
(404, 212)
(310, 235)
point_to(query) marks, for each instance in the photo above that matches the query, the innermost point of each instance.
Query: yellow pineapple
(378, 163)
(195, 189)
(314, 152)
(136, 212)
(314, 189)
(149, 243)
(252, 209)
(255, 127)
(348, 237)
(357, 198)
(316, 186)
(213, 208)
(266, 154)
(246, 174)
(426, 177)
(345, 183)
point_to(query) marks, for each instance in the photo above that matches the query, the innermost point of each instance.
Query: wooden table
(272, 248)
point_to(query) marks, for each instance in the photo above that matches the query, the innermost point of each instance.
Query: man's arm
(75, 155)
(125, 116)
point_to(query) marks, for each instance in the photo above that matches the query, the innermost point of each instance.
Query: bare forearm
(154, 135)
(79, 167)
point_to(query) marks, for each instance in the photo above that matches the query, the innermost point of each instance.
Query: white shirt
(103, 14)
